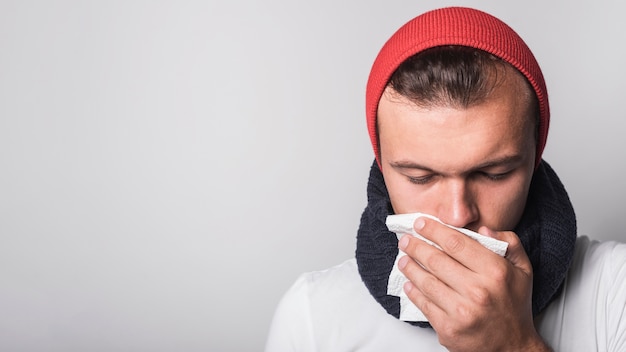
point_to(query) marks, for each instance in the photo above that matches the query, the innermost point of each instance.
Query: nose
(458, 204)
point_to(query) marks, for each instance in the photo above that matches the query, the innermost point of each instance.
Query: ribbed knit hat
(455, 26)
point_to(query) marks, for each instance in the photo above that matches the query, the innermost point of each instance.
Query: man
(458, 115)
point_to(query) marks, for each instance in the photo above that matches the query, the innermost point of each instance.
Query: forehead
(456, 138)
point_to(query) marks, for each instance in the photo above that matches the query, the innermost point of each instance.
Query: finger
(462, 248)
(434, 272)
(424, 289)
(430, 309)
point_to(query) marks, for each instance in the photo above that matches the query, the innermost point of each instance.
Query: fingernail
(402, 262)
(419, 224)
(485, 231)
(408, 286)
(404, 241)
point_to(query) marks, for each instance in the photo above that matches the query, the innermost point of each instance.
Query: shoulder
(610, 252)
(590, 312)
(345, 270)
(313, 306)
(332, 310)
(340, 279)
(335, 294)
(597, 260)
(326, 285)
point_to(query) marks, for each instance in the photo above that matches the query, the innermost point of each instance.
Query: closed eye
(495, 177)
(422, 180)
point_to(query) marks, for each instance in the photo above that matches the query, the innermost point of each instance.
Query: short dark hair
(454, 76)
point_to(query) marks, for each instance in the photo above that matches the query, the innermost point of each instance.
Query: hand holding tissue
(402, 224)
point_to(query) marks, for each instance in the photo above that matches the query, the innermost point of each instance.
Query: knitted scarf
(547, 231)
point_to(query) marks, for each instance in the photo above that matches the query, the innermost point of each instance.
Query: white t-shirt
(332, 310)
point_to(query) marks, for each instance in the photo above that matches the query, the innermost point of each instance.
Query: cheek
(501, 206)
(405, 196)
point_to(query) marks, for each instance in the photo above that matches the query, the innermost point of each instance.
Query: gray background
(169, 168)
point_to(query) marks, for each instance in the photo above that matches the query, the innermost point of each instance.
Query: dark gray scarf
(547, 231)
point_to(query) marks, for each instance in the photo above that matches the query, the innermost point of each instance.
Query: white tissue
(402, 224)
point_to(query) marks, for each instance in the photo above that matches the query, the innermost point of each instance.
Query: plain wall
(169, 167)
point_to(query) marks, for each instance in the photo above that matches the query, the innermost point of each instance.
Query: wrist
(534, 344)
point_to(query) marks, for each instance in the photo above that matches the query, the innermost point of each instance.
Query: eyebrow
(502, 161)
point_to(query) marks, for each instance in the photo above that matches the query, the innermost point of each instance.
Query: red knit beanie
(455, 26)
